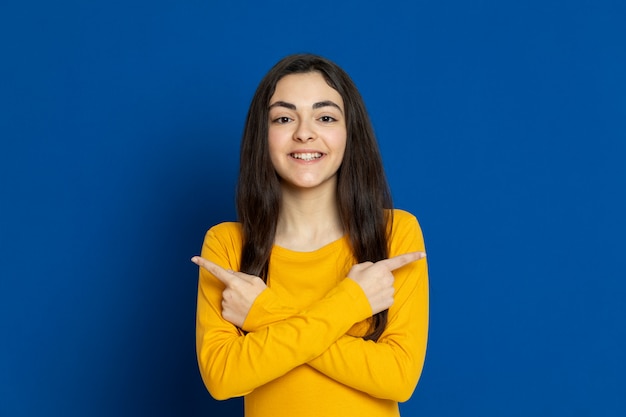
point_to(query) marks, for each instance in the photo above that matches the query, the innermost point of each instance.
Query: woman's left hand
(240, 292)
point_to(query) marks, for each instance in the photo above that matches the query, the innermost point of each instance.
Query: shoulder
(223, 243)
(402, 219)
(226, 229)
(225, 234)
(405, 232)
(403, 216)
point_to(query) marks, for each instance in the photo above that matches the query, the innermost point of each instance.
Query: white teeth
(307, 156)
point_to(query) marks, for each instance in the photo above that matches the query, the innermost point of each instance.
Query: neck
(309, 219)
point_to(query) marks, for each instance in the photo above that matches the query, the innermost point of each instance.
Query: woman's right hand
(376, 279)
(240, 293)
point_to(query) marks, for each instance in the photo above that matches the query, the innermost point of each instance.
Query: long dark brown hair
(363, 195)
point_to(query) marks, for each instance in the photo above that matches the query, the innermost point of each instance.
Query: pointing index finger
(402, 260)
(226, 277)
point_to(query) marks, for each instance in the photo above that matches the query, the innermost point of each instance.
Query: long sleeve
(390, 367)
(233, 364)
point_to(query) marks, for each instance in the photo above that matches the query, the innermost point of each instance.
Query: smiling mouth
(309, 156)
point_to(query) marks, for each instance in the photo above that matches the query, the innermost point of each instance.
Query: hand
(240, 292)
(376, 279)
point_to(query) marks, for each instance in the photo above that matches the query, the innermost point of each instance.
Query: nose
(304, 132)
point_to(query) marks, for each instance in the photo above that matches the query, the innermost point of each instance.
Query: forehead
(305, 89)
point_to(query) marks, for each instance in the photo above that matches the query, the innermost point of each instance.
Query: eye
(327, 119)
(282, 120)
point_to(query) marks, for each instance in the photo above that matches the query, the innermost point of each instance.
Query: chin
(310, 185)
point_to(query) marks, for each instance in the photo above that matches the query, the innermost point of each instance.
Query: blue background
(502, 126)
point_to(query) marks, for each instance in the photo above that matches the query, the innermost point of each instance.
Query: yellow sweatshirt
(300, 353)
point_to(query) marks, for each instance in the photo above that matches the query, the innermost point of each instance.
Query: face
(307, 131)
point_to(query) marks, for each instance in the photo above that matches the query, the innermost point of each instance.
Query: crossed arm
(281, 337)
(388, 368)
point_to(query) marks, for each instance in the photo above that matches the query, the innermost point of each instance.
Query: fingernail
(194, 259)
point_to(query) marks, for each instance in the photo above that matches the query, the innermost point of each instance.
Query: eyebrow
(318, 105)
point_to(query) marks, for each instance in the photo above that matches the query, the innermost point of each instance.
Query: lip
(307, 151)
(302, 161)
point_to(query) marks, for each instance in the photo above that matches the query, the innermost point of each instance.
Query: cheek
(339, 142)
(274, 137)
(273, 146)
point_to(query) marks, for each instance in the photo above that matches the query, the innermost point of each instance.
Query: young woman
(316, 303)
